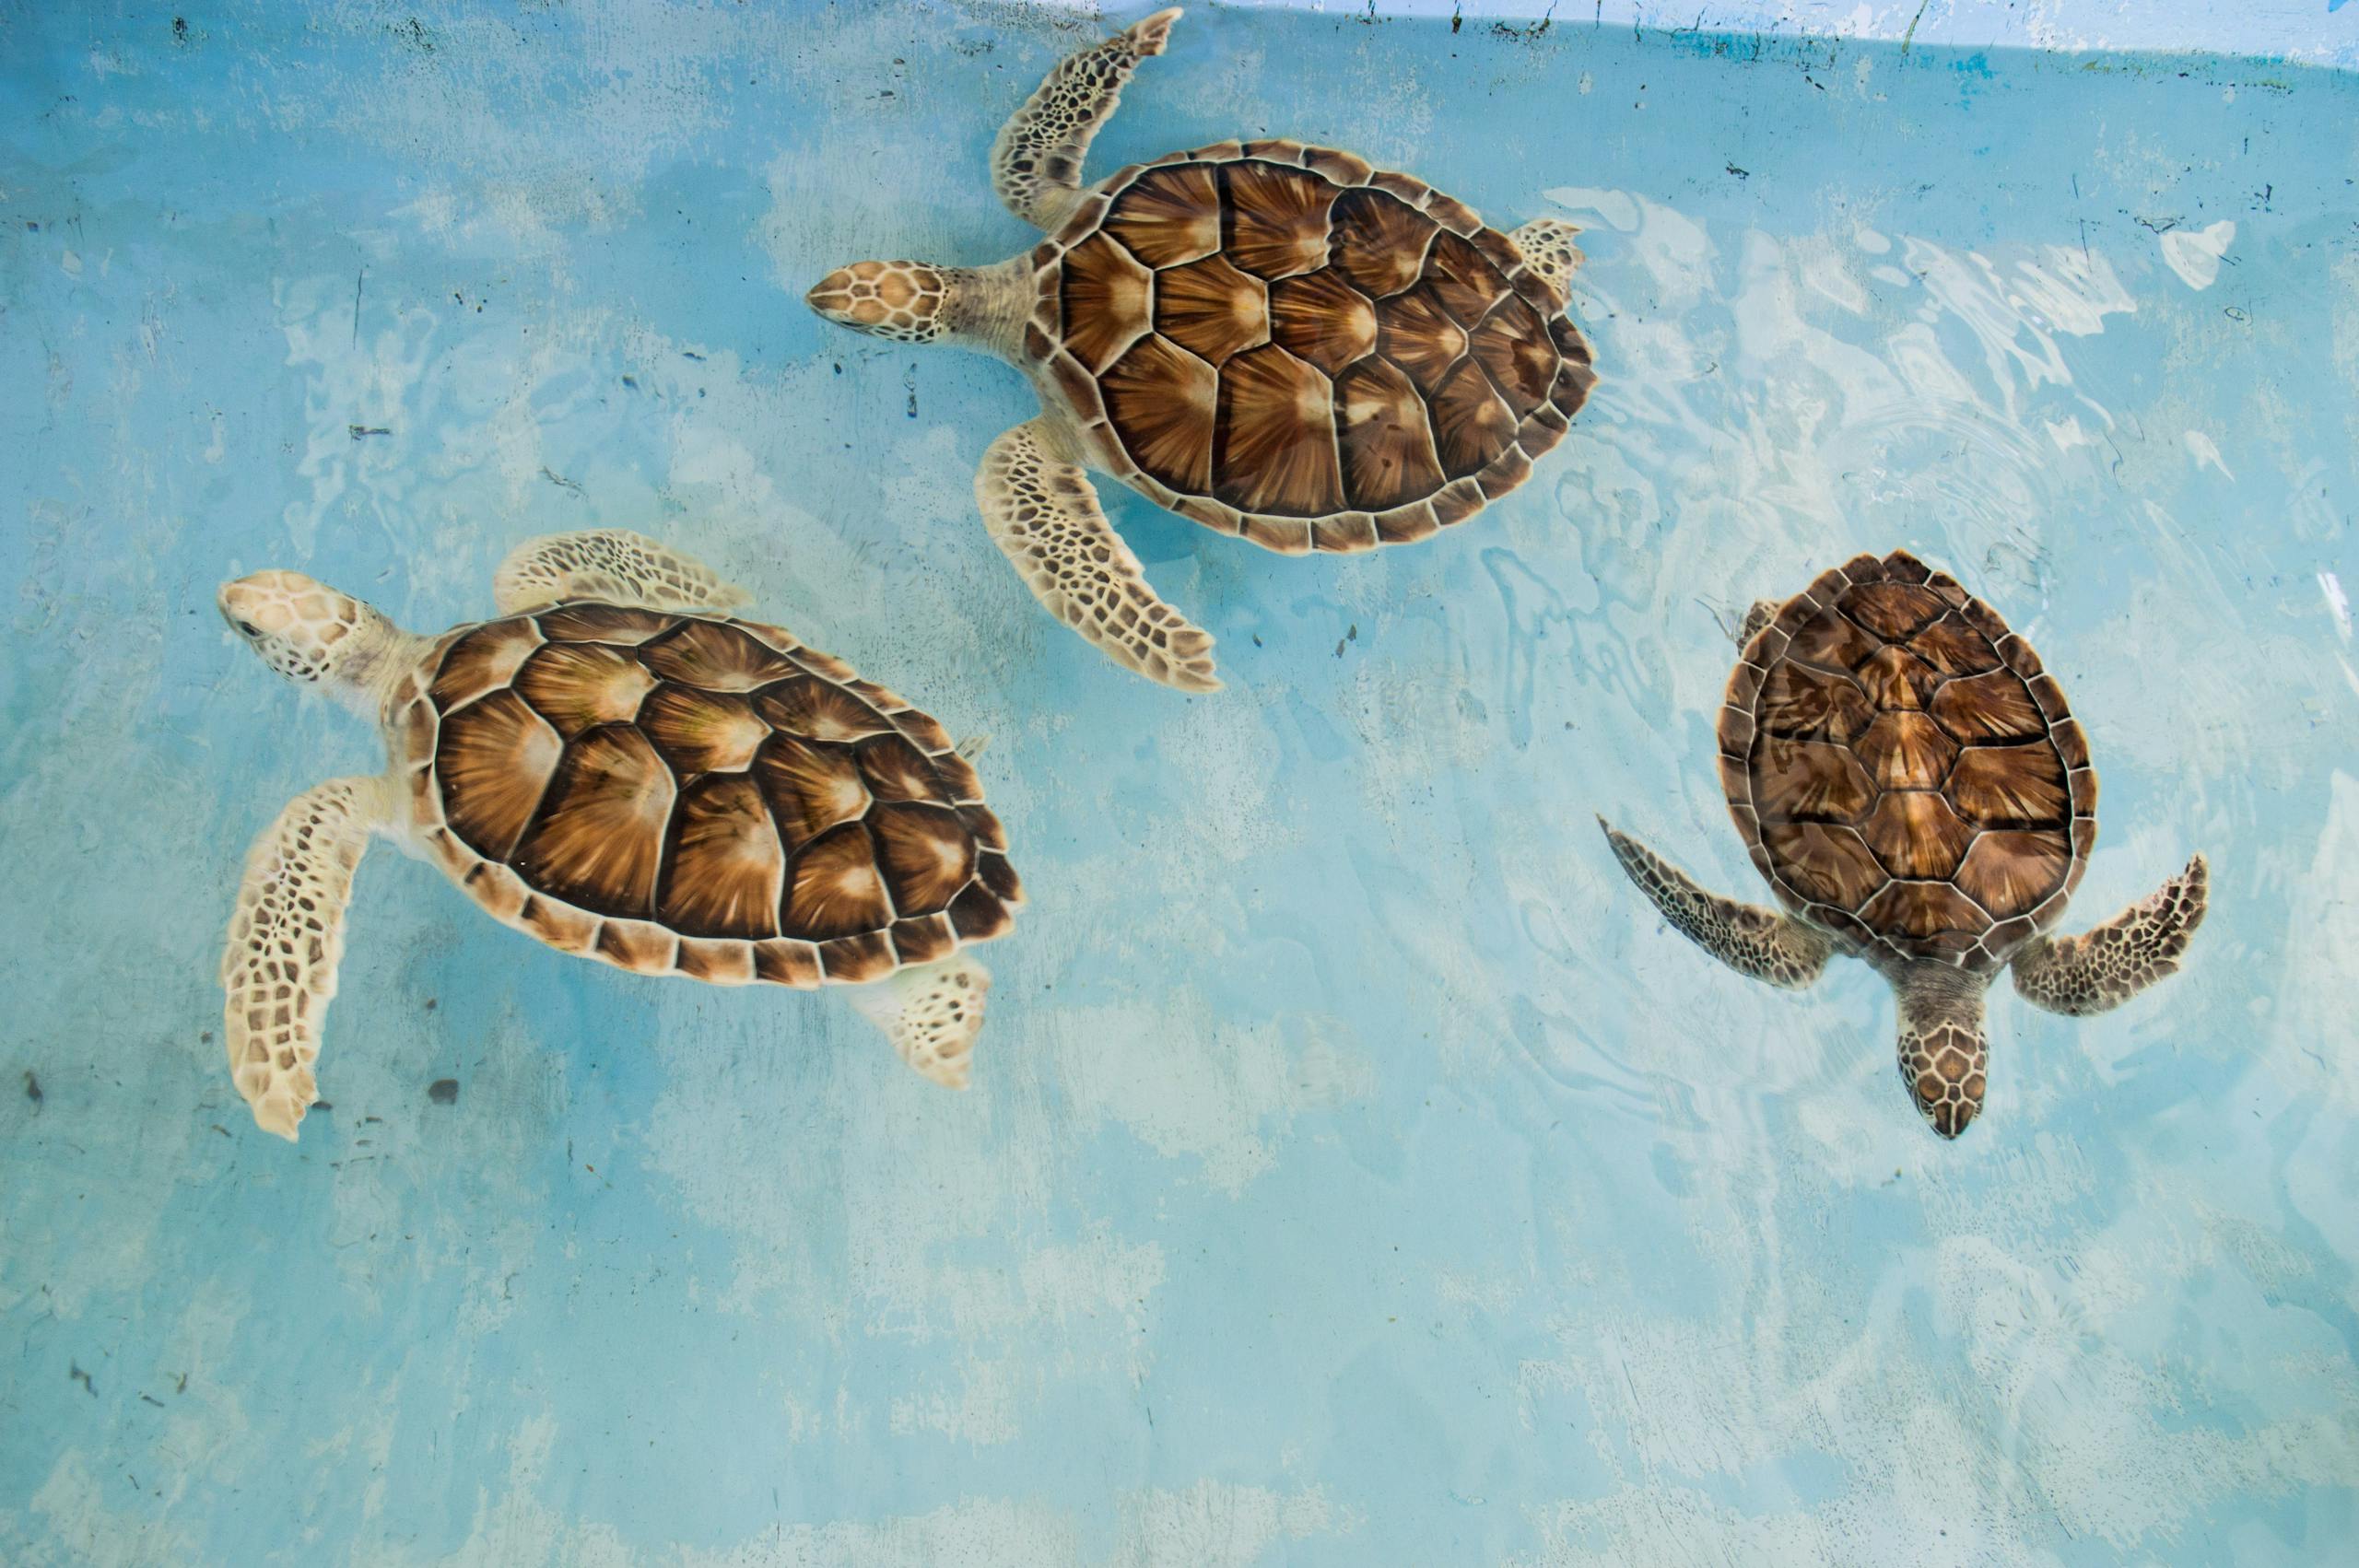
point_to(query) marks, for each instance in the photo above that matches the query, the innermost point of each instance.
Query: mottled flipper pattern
(1548, 245)
(932, 1012)
(1036, 163)
(1044, 515)
(2099, 971)
(613, 566)
(1751, 940)
(286, 940)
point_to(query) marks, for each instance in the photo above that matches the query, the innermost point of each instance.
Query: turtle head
(309, 632)
(907, 301)
(1945, 1058)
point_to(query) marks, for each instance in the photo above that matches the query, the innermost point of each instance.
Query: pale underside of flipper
(1752, 941)
(2100, 970)
(1036, 162)
(613, 566)
(932, 1012)
(1548, 248)
(1043, 513)
(286, 940)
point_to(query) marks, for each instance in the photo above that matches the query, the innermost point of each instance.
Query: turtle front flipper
(1043, 514)
(287, 939)
(613, 566)
(2098, 972)
(1036, 163)
(1748, 939)
(932, 1012)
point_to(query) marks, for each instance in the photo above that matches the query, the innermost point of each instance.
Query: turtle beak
(238, 603)
(831, 295)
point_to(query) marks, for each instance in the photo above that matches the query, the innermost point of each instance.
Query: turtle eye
(247, 628)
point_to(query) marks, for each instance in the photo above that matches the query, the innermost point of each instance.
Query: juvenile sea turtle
(618, 767)
(1275, 340)
(1914, 788)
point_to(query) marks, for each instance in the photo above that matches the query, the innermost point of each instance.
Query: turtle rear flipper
(2099, 971)
(1548, 249)
(1043, 513)
(1036, 163)
(932, 1012)
(286, 940)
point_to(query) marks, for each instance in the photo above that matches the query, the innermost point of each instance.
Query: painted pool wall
(2308, 31)
(1357, 1172)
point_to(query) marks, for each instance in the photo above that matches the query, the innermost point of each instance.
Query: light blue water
(1357, 1173)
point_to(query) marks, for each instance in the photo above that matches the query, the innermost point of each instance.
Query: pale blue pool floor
(1357, 1173)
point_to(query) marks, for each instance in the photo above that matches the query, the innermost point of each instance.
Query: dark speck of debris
(205, 1038)
(1353, 635)
(839, 367)
(692, 354)
(1740, 173)
(444, 1091)
(153, 1400)
(180, 30)
(358, 431)
(1257, 639)
(631, 382)
(324, 1105)
(76, 1374)
(33, 1087)
(432, 1002)
(1456, 18)
(1527, 33)
(221, 1129)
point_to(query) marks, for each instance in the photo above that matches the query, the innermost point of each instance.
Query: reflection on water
(1357, 1173)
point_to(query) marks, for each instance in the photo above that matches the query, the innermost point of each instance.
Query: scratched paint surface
(1357, 1173)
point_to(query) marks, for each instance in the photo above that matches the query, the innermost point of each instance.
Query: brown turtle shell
(692, 794)
(1904, 772)
(1281, 342)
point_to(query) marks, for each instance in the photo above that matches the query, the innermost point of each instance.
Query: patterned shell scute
(687, 793)
(1283, 342)
(1905, 773)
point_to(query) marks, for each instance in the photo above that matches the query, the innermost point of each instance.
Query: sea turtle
(618, 767)
(1912, 785)
(1275, 340)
